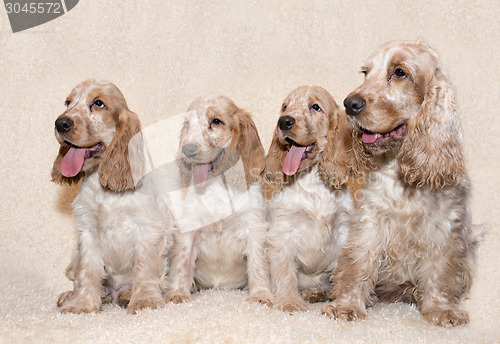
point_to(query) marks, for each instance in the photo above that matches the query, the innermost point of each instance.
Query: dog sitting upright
(122, 231)
(411, 237)
(309, 221)
(226, 252)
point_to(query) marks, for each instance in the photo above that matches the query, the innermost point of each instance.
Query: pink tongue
(292, 160)
(72, 162)
(369, 138)
(200, 174)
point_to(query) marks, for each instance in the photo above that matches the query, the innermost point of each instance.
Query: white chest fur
(312, 221)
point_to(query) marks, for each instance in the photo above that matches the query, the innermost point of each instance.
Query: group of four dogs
(366, 205)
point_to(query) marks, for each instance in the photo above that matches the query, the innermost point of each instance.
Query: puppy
(121, 230)
(228, 253)
(411, 238)
(309, 221)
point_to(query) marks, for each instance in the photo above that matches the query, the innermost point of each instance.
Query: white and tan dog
(309, 221)
(227, 252)
(122, 231)
(412, 237)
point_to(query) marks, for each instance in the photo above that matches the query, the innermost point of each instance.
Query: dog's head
(94, 133)
(301, 133)
(215, 134)
(405, 109)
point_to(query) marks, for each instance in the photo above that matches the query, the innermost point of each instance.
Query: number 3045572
(33, 7)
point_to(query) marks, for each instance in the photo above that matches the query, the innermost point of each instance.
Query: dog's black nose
(354, 105)
(189, 150)
(286, 122)
(63, 125)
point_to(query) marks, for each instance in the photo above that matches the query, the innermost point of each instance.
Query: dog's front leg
(88, 270)
(357, 273)
(147, 273)
(181, 275)
(259, 288)
(446, 276)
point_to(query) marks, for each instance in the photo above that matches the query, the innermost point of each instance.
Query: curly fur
(122, 231)
(309, 221)
(228, 253)
(411, 238)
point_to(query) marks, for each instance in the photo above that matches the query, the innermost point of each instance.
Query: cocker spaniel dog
(411, 238)
(228, 253)
(309, 221)
(121, 230)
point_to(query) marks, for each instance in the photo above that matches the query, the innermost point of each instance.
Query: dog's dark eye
(66, 103)
(399, 73)
(283, 108)
(216, 121)
(316, 107)
(98, 104)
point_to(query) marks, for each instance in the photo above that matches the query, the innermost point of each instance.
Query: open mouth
(74, 159)
(295, 155)
(201, 171)
(371, 138)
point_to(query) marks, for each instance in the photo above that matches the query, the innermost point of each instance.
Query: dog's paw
(142, 303)
(262, 298)
(124, 297)
(313, 295)
(446, 317)
(107, 299)
(295, 304)
(79, 306)
(65, 297)
(336, 311)
(177, 298)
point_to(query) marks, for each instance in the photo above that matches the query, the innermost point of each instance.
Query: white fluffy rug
(162, 55)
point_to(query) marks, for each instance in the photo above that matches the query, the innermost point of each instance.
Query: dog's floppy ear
(431, 153)
(249, 146)
(185, 169)
(115, 171)
(56, 174)
(273, 178)
(344, 156)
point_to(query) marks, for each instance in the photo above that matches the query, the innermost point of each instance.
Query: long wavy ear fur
(344, 156)
(249, 146)
(431, 153)
(185, 171)
(56, 174)
(273, 176)
(115, 171)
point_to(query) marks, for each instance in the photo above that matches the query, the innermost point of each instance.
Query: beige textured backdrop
(163, 54)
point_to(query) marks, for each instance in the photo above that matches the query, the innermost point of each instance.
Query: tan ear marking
(115, 171)
(431, 153)
(250, 147)
(344, 156)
